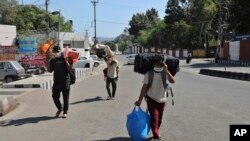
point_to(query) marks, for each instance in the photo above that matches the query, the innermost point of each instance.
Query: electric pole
(47, 18)
(94, 3)
(220, 32)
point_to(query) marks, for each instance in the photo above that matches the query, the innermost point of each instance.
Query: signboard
(241, 38)
(5, 57)
(8, 49)
(8, 52)
(27, 45)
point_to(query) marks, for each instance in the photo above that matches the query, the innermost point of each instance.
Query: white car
(84, 62)
(131, 59)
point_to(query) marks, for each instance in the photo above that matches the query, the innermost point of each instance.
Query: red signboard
(7, 57)
(8, 52)
(8, 49)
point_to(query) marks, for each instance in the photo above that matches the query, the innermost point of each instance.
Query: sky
(112, 16)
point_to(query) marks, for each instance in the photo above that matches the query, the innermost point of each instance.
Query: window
(8, 65)
(1, 65)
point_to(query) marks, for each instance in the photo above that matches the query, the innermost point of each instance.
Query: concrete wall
(245, 50)
(7, 35)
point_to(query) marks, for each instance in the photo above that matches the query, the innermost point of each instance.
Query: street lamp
(58, 28)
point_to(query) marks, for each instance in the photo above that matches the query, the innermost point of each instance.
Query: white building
(7, 35)
(78, 41)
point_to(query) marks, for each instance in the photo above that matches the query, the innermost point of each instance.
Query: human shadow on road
(98, 98)
(122, 139)
(29, 120)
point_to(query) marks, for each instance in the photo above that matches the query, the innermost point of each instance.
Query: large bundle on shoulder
(103, 50)
(145, 62)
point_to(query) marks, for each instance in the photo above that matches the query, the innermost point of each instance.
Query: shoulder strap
(150, 78)
(164, 79)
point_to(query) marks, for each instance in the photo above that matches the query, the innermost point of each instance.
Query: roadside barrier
(226, 74)
(234, 63)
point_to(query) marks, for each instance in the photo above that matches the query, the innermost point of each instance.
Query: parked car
(11, 71)
(97, 61)
(131, 59)
(84, 62)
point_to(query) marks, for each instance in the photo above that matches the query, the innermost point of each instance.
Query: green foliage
(142, 21)
(30, 19)
(239, 16)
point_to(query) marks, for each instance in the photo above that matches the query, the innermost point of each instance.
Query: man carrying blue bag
(154, 89)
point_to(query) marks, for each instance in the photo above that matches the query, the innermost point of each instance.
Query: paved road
(204, 108)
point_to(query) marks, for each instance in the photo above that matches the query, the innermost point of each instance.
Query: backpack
(145, 62)
(164, 81)
(72, 76)
(151, 77)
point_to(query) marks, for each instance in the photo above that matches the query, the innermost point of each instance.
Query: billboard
(27, 45)
(8, 52)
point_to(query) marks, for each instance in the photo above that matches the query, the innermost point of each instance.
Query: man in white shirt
(155, 92)
(112, 76)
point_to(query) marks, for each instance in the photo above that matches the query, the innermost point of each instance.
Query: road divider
(226, 74)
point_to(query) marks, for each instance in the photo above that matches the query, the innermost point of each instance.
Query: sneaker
(108, 98)
(158, 139)
(64, 115)
(58, 113)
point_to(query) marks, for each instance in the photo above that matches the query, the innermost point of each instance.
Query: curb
(226, 74)
(47, 85)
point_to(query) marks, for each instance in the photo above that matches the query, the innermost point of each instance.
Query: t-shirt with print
(61, 73)
(157, 91)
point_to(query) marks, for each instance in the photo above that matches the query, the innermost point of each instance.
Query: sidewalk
(10, 91)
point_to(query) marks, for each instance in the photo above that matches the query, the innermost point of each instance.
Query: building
(7, 35)
(237, 49)
(134, 49)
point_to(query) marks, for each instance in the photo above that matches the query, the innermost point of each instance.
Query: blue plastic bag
(138, 124)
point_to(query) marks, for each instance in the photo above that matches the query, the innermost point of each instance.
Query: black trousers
(56, 92)
(113, 82)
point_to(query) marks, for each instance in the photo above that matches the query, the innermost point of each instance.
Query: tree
(239, 16)
(174, 12)
(142, 21)
(31, 19)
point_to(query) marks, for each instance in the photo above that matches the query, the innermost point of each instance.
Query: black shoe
(58, 113)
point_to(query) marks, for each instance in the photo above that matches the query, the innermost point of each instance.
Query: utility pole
(94, 3)
(86, 33)
(47, 18)
(58, 26)
(219, 31)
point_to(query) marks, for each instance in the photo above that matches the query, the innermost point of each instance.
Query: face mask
(158, 69)
(58, 54)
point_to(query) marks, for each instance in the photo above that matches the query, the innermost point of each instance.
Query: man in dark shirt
(61, 67)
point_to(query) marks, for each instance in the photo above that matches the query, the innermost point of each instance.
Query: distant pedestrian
(154, 89)
(111, 76)
(62, 68)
